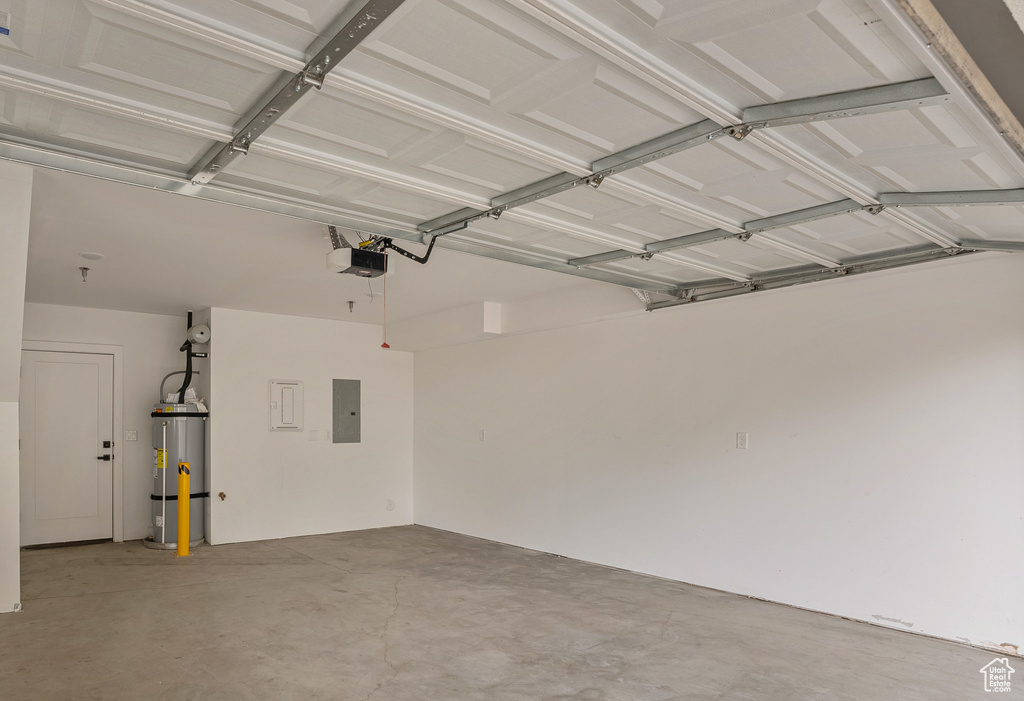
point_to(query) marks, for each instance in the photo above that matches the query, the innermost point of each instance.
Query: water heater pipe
(187, 347)
(169, 375)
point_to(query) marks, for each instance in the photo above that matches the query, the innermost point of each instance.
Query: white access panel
(286, 405)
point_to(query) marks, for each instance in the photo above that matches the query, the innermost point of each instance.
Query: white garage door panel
(476, 163)
(388, 201)
(108, 44)
(717, 163)
(744, 259)
(587, 214)
(94, 50)
(257, 170)
(734, 181)
(289, 24)
(541, 241)
(842, 237)
(106, 134)
(8, 101)
(350, 193)
(838, 45)
(357, 131)
(588, 204)
(997, 222)
(653, 223)
(24, 44)
(661, 270)
(769, 193)
(758, 46)
(516, 70)
(433, 39)
(451, 103)
(354, 124)
(913, 150)
(603, 108)
(39, 119)
(669, 186)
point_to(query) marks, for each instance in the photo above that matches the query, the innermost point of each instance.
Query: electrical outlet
(131, 435)
(741, 440)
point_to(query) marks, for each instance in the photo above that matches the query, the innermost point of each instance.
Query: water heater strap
(174, 497)
(181, 414)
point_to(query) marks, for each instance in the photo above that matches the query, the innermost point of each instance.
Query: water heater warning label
(161, 459)
(5, 23)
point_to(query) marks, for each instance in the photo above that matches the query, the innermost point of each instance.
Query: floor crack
(387, 643)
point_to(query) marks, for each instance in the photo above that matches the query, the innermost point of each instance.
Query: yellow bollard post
(183, 494)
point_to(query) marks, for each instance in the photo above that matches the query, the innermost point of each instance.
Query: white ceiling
(165, 253)
(448, 105)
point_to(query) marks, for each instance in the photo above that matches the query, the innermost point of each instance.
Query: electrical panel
(346, 411)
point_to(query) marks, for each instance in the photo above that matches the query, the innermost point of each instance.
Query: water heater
(179, 435)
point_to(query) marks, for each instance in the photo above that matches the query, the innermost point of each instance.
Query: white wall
(149, 345)
(15, 204)
(885, 475)
(201, 383)
(283, 484)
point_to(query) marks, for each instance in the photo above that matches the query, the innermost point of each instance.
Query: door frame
(117, 352)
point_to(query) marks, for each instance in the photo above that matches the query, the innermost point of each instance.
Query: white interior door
(66, 416)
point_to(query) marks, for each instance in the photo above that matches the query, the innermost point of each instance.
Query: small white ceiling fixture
(88, 255)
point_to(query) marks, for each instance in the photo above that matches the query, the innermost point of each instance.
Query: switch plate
(742, 441)
(131, 435)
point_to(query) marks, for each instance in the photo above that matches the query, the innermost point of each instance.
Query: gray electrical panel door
(346, 411)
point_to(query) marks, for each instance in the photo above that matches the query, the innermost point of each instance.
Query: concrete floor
(416, 614)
